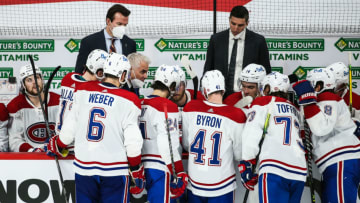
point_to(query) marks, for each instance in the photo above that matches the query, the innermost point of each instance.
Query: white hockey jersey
(332, 131)
(282, 152)
(104, 123)
(4, 137)
(68, 84)
(27, 128)
(156, 148)
(212, 136)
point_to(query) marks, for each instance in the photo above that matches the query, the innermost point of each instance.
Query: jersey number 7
(197, 148)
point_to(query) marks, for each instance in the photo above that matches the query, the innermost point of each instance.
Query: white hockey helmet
(212, 81)
(321, 75)
(340, 72)
(278, 82)
(96, 60)
(252, 73)
(116, 65)
(182, 75)
(168, 75)
(27, 70)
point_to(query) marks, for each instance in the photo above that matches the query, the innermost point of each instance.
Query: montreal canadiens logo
(37, 132)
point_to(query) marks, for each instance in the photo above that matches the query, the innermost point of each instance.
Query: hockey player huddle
(123, 144)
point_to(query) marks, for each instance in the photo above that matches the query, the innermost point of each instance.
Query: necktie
(112, 46)
(231, 72)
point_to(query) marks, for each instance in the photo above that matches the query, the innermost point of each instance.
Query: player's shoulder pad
(199, 96)
(233, 98)
(328, 96)
(158, 104)
(355, 99)
(4, 113)
(54, 99)
(264, 100)
(230, 112)
(69, 79)
(97, 87)
(18, 103)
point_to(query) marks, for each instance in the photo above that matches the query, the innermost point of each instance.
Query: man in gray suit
(233, 49)
(110, 39)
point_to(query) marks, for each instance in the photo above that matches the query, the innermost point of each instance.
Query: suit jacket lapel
(247, 47)
(224, 43)
(102, 41)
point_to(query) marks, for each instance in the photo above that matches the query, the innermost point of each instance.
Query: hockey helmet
(278, 82)
(252, 73)
(96, 60)
(212, 81)
(116, 65)
(340, 72)
(168, 75)
(27, 70)
(321, 75)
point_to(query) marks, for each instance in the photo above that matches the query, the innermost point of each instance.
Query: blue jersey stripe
(338, 154)
(282, 168)
(212, 189)
(97, 167)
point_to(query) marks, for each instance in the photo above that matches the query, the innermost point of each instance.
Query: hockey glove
(248, 178)
(53, 146)
(36, 149)
(305, 92)
(178, 185)
(357, 130)
(137, 180)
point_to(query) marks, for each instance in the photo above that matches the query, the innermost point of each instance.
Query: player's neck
(215, 98)
(35, 99)
(183, 100)
(112, 81)
(86, 76)
(161, 93)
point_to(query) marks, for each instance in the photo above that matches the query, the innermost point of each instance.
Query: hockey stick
(186, 63)
(308, 148)
(47, 87)
(266, 125)
(47, 124)
(170, 145)
(350, 84)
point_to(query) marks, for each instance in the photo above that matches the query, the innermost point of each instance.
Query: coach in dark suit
(110, 39)
(233, 49)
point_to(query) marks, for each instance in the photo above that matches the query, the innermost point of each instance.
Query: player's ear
(123, 76)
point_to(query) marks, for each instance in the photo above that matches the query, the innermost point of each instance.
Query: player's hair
(117, 8)
(110, 76)
(136, 58)
(157, 85)
(240, 12)
(86, 69)
(280, 94)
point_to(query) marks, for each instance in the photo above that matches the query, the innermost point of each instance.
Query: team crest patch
(37, 132)
(251, 116)
(328, 110)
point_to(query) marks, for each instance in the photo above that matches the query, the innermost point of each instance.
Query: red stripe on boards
(205, 5)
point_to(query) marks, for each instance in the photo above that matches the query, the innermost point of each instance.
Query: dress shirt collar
(241, 35)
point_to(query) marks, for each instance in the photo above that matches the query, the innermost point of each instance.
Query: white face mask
(119, 31)
(136, 83)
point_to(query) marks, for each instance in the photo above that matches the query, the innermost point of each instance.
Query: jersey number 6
(95, 127)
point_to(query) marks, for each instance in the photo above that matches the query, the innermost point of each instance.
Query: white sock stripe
(339, 181)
